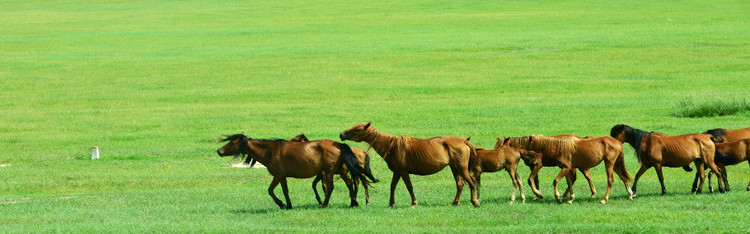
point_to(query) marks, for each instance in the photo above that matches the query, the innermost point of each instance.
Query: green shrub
(694, 108)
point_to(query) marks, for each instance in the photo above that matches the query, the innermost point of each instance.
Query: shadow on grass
(266, 210)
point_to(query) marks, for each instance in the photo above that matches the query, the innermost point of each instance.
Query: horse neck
(635, 138)
(383, 143)
(261, 151)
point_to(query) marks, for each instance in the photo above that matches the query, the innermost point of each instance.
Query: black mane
(633, 136)
(717, 133)
(244, 145)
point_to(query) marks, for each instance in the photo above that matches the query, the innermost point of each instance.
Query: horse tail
(472, 150)
(350, 160)
(620, 166)
(723, 158)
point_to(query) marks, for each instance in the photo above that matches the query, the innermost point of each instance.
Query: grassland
(154, 84)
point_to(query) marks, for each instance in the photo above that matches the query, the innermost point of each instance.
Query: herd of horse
(405, 155)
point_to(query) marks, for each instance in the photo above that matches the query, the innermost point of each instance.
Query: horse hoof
(510, 203)
(354, 204)
(603, 202)
(570, 201)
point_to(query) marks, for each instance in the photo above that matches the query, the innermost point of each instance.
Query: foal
(498, 159)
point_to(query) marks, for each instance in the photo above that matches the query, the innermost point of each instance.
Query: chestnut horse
(409, 155)
(522, 142)
(657, 150)
(720, 135)
(362, 158)
(730, 154)
(296, 159)
(584, 154)
(498, 159)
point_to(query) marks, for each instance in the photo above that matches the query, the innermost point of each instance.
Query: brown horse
(720, 135)
(362, 158)
(657, 150)
(522, 142)
(297, 160)
(730, 154)
(498, 159)
(584, 154)
(409, 155)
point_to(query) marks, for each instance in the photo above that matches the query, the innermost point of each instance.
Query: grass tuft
(695, 108)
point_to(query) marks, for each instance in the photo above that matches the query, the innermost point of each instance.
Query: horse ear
(368, 124)
(468, 138)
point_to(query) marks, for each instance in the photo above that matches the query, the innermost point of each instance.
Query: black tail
(723, 158)
(350, 160)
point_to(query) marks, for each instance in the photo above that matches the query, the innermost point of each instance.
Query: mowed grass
(155, 84)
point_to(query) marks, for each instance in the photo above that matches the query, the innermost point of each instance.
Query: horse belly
(677, 157)
(426, 167)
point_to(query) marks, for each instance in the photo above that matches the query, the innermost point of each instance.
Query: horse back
(736, 135)
(308, 159)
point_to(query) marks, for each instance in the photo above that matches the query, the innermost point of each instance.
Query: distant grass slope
(154, 84)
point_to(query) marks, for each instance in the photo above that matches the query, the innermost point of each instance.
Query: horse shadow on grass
(266, 210)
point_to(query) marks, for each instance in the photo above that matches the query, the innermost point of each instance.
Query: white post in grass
(94, 152)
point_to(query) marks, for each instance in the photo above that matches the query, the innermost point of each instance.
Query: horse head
(356, 132)
(236, 145)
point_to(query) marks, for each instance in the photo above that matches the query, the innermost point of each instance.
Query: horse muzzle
(220, 153)
(343, 138)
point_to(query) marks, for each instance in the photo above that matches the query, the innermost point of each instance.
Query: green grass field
(154, 84)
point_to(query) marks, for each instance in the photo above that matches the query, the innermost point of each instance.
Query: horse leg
(407, 182)
(352, 186)
(748, 183)
(638, 176)
(328, 182)
(702, 175)
(367, 191)
(710, 186)
(520, 187)
(724, 177)
(285, 189)
(315, 189)
(459, 185)
(563, 172)
(478, 179)
(274, 183)
(571, 179)
(587, 175)
(609, 165)
(533, 177)
(394, 182)
(657, 167)
(512, 174)
(697, 177)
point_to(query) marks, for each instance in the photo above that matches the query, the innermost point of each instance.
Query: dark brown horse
(731, 153)
(409, 155)
(362, 158)
(657, 150)
(522, 142)
(297, 160)
(583, 154)
(498, 159)
(720, 135)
